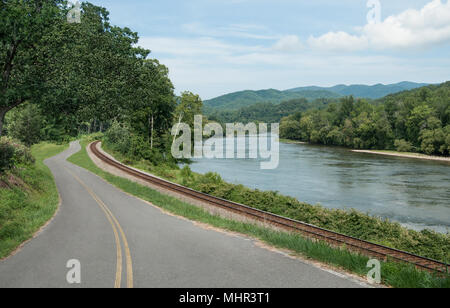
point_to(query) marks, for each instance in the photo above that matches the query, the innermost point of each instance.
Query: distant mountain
(364, 91)
(237, 100)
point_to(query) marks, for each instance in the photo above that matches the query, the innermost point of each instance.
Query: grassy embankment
(393, 274)
(426, 243)
(28, 199)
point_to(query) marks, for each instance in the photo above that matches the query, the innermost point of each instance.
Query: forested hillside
(411, 121)
(235, 101)
(238, 100)
(268, 112)
(364, 91)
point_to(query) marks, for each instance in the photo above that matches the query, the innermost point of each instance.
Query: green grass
(393, 274)
(27, 207)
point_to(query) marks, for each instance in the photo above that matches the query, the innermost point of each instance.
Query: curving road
(121, 241)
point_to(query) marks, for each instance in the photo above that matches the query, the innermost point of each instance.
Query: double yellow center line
(116, 229)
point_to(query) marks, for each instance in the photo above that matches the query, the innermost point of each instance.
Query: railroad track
(311, 231)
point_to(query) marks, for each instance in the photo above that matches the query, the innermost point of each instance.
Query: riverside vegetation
(118, 141)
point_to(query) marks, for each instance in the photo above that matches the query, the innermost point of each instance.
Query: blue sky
(213, 47)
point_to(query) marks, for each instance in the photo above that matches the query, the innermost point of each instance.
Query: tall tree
(23, 25)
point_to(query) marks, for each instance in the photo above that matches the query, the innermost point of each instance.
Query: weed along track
(311, 231)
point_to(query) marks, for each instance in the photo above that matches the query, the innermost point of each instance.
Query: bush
(118, 138)
(25, 124)
(403, 146)
(13, 154)
(134, 147)
(6, 154)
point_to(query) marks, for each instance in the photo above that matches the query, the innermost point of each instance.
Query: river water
(414, 192)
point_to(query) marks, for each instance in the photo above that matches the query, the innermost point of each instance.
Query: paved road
(122, 241)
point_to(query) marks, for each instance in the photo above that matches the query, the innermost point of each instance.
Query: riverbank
(384, 152)
(404, 154)
(289, 141)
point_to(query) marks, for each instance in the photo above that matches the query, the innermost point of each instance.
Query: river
(414, 192)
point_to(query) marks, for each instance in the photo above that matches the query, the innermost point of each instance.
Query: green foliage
(80, 76)
(29, 200)
(133, 146)
(364, 91)
(268, 112)
(7, 152)
(25, 124)
(239, 100)
(189, 106)
(412, 120)
(403, 146)
(13, 154)
(235, 101)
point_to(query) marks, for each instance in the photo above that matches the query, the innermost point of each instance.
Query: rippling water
(413, 192)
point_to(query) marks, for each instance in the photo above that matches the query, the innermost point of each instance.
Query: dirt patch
(10, 181)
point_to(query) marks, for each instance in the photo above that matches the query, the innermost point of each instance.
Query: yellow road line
(114, 222)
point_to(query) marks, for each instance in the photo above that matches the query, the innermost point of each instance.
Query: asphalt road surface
(120, 241)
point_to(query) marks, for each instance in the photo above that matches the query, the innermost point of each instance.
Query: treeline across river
(411, 121)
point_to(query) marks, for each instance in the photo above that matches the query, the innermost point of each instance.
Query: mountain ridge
(237, 100)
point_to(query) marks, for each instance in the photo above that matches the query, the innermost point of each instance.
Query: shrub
(403, 146)
(25, 124)
(6, 154)
(13, 154)
(118, 138)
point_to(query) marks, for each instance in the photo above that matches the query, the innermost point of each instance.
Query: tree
(25, 124)
(23, 26)
(150, 113)
(403, 146)
(96, 74)
(189, 106)
(291, 129)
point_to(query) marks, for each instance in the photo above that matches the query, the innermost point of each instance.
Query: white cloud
(338, 41)
(409, 29)
(289, 43)
(412, 28)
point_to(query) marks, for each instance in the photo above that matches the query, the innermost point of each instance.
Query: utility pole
(151, 134)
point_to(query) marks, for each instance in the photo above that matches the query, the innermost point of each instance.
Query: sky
(214, 47)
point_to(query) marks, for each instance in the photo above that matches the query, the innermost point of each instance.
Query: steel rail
(334, 238)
